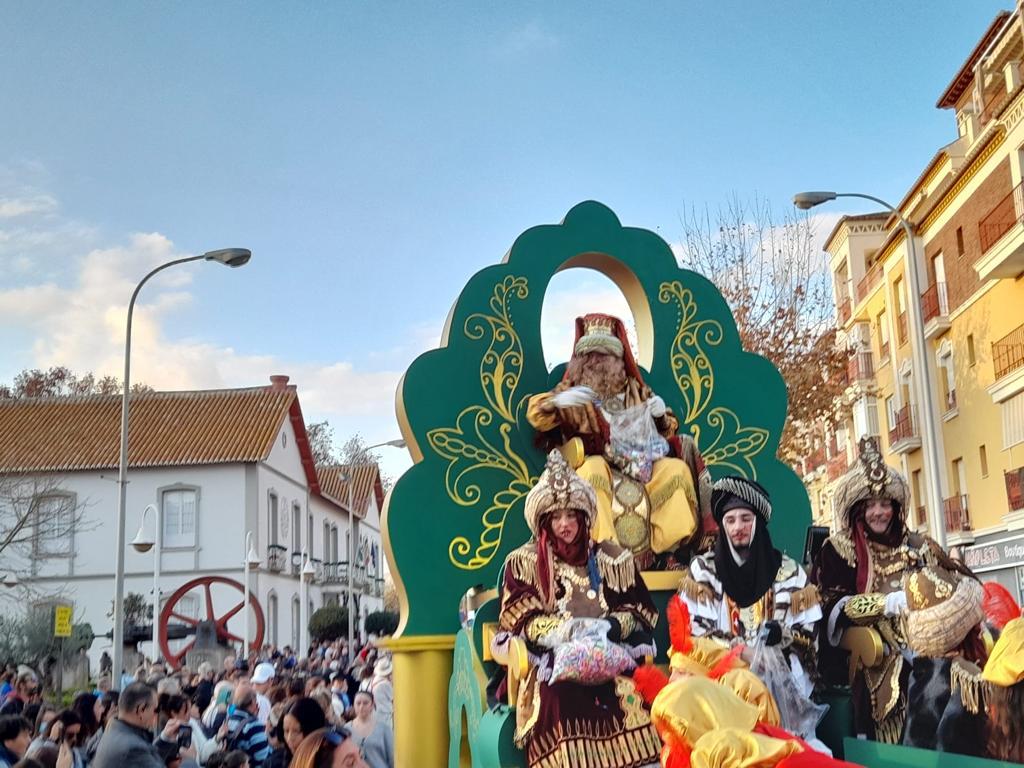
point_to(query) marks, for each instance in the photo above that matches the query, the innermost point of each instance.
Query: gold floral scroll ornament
(734, 446)
(481, 438)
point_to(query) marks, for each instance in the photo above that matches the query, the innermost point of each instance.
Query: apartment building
(215, 464)
(966, 210)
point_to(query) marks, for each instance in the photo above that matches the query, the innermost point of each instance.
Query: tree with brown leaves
(777, 285)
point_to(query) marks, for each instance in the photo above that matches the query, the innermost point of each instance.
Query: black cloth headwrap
(747, 583)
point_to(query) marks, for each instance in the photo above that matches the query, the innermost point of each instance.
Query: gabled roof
(848, 218)
(334, 484)
(965, 75)
(220, 426)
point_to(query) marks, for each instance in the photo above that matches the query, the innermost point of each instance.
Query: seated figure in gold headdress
(650, 481)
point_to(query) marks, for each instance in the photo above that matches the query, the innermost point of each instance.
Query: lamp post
(142, 543)
(807, 200)
(252, 561)
(231, 257)
(350, 481)
(307, 574)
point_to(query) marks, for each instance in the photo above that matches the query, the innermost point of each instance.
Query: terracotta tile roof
(334, 485)
(63, 434)
(965, 75)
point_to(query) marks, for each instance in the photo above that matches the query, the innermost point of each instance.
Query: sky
(374, 156)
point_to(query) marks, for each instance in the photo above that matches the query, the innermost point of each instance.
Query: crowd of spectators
(275, 709)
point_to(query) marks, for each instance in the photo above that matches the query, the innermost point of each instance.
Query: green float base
(875, 755)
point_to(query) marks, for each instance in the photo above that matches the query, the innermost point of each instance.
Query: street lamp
(252, 561)
(231, 257)
(143, 543)
(349, 477)
(807, 200)
(307, 574)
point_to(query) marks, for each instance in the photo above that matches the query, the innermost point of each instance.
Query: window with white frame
(54, 523)
(179, 508)
(296, 625)
(272, 517)
(947, 383)
(296, 527)
(327, 542)
(188, 605)
(309, 534)
(334, 543)
(272, 618)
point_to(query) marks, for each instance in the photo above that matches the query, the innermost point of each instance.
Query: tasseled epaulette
(696, 591)
(803, 599)
(521, 564)
(616, 566)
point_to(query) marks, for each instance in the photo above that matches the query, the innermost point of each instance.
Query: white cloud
(10, 207)
(530, 38)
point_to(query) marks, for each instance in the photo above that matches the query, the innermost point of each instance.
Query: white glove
(574, 396)
(895, 603)
(657, 406)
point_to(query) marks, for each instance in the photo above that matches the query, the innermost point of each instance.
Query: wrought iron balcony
(1014, 480)
(1008, 352)
(1002, 238)
(935, 310)
(860, 367)
(903, 435)
(871, 279)
(958, 517)
(277, 558)
(845, 311)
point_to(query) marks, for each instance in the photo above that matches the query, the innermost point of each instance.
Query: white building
(216, 463)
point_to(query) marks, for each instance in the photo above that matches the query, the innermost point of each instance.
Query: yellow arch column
(422, 669)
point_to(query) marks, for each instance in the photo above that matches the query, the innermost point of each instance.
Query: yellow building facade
(967, 212)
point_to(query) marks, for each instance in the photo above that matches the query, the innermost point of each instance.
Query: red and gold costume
(670, 502)
(857, 572)
(548, 582)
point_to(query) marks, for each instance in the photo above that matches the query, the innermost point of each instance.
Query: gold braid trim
(522, 564)
(970, 685)
(802, 599)
(617, 572)
(696, 591)
(664, 493)
(626, 621)
(514, 611)
(865, 609)
(539, 626)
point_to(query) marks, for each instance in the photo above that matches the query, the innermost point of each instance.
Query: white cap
(264, 673)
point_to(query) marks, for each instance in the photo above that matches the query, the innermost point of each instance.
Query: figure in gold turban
(551, 583)
(649, 480)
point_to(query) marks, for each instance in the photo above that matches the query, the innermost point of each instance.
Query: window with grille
(54, 525)
(179, 515)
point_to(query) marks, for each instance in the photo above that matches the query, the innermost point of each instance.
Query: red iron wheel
(220, 622)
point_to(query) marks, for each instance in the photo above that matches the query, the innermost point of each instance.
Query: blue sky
(374, 156)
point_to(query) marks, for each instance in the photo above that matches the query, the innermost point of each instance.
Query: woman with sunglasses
(328, 748)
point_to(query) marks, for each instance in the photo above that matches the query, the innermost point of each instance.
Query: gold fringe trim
(890, 730)
(842, 543)
(699, 593)
(618, 572)
(522, 564)
(600, 483)
(970, 685)
(802, 599)
(665, 492)
(582, 744)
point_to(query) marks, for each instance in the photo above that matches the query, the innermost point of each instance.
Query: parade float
(452, 519)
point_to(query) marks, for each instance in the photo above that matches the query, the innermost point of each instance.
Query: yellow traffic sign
(62, 621)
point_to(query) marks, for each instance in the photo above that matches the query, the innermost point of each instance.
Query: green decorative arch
(453, 517)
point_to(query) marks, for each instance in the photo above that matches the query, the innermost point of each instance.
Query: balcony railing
(994, 103)
(901, 327)
(1008, 352)
(883, 350)
(814, 460)
(957, 516)
(837, 466)
(277, 558)
(871, 278)
(1014, 480)
(1002, 218)
(845, 311)
(904, 425)
(859, 367)
(934, 302)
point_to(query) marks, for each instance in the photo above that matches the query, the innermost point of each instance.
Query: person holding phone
(128, 741)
